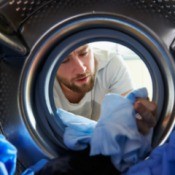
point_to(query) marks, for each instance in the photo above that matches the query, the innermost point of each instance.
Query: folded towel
(8, 155)
(115, 134)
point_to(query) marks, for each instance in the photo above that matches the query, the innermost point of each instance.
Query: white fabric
(111, 76)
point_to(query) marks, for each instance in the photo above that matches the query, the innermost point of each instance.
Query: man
(86, 75)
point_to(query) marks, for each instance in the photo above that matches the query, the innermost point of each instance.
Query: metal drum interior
(30, 58)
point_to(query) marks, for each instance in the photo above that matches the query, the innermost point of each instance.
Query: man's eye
(83, 54)
(65, 60)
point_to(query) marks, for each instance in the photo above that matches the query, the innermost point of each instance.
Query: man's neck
(72, 96)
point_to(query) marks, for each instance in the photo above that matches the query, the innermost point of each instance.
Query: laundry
(35, 168)
(160, 162)
(78, 163)
(8, 156)
(115, 134)
(78, 131)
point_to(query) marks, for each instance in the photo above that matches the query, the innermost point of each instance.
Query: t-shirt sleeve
(117, 75)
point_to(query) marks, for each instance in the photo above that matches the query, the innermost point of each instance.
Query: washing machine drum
(37, 35)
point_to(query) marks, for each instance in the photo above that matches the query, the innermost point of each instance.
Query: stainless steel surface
(44, 25)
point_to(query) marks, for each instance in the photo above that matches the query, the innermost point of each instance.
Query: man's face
(77, 71)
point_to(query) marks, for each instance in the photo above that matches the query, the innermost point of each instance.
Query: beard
(86, 87)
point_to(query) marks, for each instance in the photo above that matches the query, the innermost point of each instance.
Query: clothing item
(78, 131)
(79, 163)
(115, 134)
(160, 162)
(35, 168)
(111, 76)
(8, 155)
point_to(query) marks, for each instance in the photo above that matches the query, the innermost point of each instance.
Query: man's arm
(147, 115)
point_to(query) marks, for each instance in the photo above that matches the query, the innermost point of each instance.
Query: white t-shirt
(111, 77)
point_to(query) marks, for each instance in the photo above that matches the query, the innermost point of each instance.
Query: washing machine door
(37, 35)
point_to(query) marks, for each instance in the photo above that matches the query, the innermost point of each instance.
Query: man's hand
(146, 115)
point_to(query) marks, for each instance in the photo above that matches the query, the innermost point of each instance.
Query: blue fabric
(35, 168)
(78, 130)
(8, 155)
(3, 170)
(160, 162)
(115, 134)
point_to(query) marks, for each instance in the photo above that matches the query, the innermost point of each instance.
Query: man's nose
(79, 66)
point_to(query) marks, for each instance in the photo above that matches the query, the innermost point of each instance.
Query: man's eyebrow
(82, 49)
